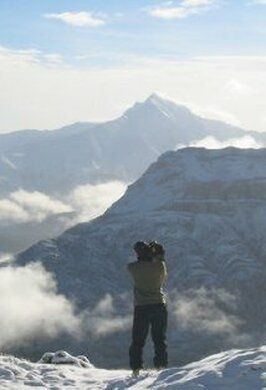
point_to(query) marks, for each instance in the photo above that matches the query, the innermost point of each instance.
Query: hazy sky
(74, 60)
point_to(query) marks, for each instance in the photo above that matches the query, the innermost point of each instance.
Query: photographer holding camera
(148, 273)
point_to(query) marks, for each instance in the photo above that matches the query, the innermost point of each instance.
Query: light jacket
(148, 278)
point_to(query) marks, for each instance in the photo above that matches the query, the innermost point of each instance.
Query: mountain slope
(208, 208)
(57, 161)
(181, 193)
(235, 369)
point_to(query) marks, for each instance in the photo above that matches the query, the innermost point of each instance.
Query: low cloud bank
(210, 142)
(22, 206)
(27, 217)
(31, 308)
(86, 202)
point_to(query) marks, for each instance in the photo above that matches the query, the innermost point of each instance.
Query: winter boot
(135, 373)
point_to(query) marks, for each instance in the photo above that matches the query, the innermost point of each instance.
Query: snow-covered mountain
(57, 161)
(208, 209)
(235, 369)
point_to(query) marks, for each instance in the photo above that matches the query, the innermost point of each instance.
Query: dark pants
(146, 316)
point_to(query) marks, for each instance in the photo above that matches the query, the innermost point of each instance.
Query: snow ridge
(235, 370)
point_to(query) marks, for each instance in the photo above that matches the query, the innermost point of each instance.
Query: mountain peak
(154, 98)
(166, 105)
(157, 103)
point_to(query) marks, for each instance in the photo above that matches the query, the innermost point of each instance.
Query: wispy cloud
(263, 2)
(23, 57)
(206, 311)
(78, 19)
(183, 10)
(197, 3)
(104, 320)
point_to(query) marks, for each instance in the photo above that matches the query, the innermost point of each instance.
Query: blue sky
(224, 27)
(188, 50)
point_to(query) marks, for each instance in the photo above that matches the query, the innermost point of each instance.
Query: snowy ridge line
(235, 369)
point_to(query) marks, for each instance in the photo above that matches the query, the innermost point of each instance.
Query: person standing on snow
(150, 310)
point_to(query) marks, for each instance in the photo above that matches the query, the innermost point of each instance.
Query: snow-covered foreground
(234, 370)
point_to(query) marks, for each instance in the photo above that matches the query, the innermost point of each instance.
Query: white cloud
(185, 9)
(27, 214)
(204, 311)
(22, 206)
(31, 290)
(246, 142)
(84, 203)
(39, 203)
(18, 57)
(24, 58)
(12, 212)
(6, 257)
(103, 320)
(236, 88)
(173, 12)
(78, 19)
(90, 201)
(53, 58)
